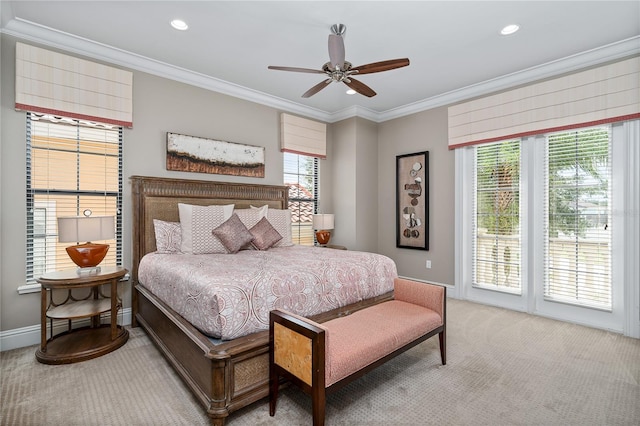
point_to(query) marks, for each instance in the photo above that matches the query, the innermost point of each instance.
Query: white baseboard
(28, 336)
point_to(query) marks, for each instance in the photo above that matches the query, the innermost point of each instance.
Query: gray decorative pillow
(233, 234)
(264, 235)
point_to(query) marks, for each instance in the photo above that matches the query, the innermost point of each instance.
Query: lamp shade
(78, 228)
(323, 221)
(81, 228)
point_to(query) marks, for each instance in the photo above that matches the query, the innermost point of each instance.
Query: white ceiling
(454, 47)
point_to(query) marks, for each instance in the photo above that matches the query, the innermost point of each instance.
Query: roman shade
(604, 94)
(302, 136)
(54, 83)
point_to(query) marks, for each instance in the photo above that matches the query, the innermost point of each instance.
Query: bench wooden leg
(318, 401)
(443, 346)
(273, 392)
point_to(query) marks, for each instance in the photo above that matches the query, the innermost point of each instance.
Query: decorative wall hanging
(412, 201)
(201, 155)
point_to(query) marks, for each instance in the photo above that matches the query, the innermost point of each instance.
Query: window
(496, 227)
(71, 166)
(563, 203)
(578, 228)
(301, 176)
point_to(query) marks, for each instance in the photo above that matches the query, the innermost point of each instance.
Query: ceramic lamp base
(87, 255)
(323, 237)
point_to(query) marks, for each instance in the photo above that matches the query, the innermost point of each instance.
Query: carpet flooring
(503, 368)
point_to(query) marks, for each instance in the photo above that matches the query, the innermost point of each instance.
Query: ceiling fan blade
(381, 66)
(315, 89)
(360, 87)
(336, 51)
(309, 70)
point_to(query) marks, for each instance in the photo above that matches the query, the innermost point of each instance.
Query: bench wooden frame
(292, 334)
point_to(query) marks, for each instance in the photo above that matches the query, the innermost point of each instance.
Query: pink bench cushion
(365, 336)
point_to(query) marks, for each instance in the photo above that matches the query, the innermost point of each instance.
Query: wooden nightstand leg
(95, 320)
(43, 319)
(114, 309)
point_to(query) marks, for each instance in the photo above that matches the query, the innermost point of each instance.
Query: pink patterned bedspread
(230, 295)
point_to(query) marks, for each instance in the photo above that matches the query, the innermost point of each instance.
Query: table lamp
(322, 223)
(86, 228)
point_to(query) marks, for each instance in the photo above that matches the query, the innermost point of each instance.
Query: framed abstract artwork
(412, 201)
(202, 155)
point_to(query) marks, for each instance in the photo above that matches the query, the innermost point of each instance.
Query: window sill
(29, 288)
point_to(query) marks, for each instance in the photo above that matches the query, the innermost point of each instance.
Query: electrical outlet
(428, 264)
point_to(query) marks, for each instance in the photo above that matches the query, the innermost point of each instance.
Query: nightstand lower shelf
(81, 344)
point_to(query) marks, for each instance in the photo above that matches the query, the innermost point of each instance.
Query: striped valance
(53, 83)
(600, 95)
(302, 136)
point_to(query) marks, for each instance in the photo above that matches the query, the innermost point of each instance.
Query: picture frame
(412, 201)
(203, 155)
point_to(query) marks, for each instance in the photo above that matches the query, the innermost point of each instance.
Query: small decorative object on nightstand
(80, 344)
(323, 223)
(76, 229)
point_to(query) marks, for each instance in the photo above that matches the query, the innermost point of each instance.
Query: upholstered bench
(321, 358)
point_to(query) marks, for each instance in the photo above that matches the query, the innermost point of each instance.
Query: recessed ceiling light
(179, 24)
(510, 29)
(351, 92)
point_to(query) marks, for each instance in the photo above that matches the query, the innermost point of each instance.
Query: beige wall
(357, 178)
(160, 106)
(355, 184)
(343, 172)
(424, 131)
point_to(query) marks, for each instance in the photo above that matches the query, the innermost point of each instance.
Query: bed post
(218, 410)
(135, 249)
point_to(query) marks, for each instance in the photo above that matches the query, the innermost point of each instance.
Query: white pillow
(168, 236)
(250, 217)
(281, 221)
(197, 223)
(263, 209)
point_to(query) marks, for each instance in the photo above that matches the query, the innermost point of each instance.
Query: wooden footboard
(223, 377)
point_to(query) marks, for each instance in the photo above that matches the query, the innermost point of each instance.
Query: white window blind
(53, 83)
(303, 136)
(301, 176)
(71, 166)
(496, 224)
(605, 94)
(578, 228)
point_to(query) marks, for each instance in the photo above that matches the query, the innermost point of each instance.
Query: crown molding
(36, 33)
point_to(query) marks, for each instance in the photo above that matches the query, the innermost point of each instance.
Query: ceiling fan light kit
(339, 70)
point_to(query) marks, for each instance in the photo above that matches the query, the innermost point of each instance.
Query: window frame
(624, 316)
(296, 227)
(496, 215)
(32, 205)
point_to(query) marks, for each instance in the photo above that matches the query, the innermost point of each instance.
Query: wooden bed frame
(230, 375)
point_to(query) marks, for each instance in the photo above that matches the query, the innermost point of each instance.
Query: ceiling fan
(338, 70)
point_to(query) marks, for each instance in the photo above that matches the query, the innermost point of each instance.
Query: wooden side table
(80, 344)
(333, 246)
